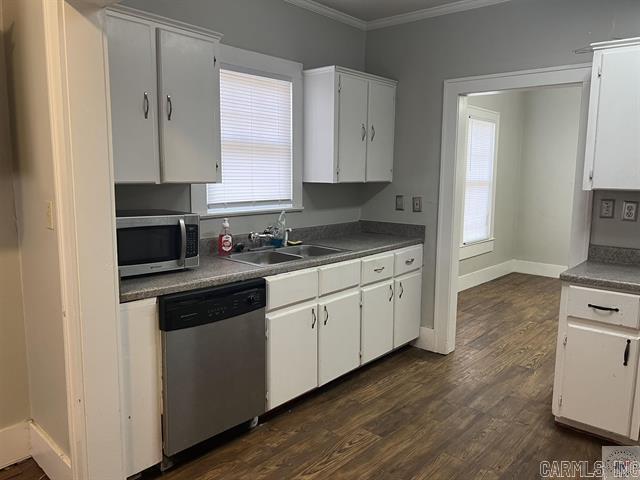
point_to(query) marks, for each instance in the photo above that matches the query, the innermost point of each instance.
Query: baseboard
(14, 444)
(485, 275)
(426, 340)
(541, 269)
(48, 455)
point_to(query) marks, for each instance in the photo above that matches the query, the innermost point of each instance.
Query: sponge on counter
(294, 242)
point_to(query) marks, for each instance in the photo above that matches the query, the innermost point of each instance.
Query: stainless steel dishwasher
(213, 362)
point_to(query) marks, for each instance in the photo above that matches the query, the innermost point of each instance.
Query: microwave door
(151, 248)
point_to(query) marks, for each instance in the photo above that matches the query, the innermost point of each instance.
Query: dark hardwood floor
(482, 412)
(25, 470)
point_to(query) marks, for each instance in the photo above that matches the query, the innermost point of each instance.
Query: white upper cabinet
(189, 84)
(349, 120)
(165, 100)
(134, 120)
(612, 157)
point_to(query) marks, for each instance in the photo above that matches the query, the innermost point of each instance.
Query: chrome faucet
(269, 233)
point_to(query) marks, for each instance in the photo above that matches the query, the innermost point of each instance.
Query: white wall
(34, 186)
(272, 27)
(516, 35)
(14, 400)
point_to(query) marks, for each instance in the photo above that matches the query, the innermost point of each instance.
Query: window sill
(245, 213)
(476, 249)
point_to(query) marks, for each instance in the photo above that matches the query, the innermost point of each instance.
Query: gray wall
(613, 231)
(275, 28)
(516, 35)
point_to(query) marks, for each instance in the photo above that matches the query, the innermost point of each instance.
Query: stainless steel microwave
(152, 241)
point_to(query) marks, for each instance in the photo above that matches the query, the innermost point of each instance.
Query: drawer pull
(378, 270)
(410, 261)
(604, 309)
(626, 353)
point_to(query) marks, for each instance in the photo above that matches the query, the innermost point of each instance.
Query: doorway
(459, 96)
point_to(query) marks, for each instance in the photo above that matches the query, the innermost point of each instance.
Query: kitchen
(372, 229)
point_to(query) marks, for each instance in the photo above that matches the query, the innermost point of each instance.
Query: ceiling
(369, 10)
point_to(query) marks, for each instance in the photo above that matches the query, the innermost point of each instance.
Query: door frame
(450, 203)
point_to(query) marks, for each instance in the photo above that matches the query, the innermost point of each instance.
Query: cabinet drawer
(339, 276)
(603, 306)
(408, 260)
(289, 288)
(376, 268)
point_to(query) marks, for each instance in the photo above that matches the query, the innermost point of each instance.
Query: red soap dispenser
(225, 239)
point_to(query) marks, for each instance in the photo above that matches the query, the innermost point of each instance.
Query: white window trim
(260, 64)
(474, 249)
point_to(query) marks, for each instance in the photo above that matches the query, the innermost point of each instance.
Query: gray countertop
(605, 275)
(218, 271)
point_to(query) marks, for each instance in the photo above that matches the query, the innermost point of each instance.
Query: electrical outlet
(399, 202)
(607, 207)
(629, 211)
(417, 204)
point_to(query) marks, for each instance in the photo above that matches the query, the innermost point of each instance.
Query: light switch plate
(629, 211)
(607, 207)
(399, 202)
(417, 204)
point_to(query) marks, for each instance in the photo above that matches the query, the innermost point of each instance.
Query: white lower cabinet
(407, 308)
(292, 353)
(338, 335)
(377, 320)
(599, 378)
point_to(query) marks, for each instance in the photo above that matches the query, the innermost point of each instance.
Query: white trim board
(48, 455)
(485, 275)
(426, 340)
(453, 7)
(14, 444)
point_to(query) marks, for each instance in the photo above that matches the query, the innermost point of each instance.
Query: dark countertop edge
(266, 271)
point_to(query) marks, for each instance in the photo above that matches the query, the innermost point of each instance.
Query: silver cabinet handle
(373, 132)
(169, 107)
(364, 132)
(390, 292)
(401, 290)
(410, 261)
(183, 242)
(145, 105)
(313, 316)
(326, 315)
(378, 270)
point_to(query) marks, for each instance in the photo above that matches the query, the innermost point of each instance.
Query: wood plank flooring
(482, 412)
(26, 470)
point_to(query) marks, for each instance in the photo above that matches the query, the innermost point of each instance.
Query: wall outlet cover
(607, 208)
(417, 204)
(399, 202)
(629, 211)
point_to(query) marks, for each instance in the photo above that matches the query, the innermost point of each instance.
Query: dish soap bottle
(225, 240)
(281, 228)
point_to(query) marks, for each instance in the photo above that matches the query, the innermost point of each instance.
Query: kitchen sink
(310, 250)
(269, 257)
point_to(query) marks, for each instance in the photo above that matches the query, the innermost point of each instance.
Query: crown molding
(329, 12)
(459, 6)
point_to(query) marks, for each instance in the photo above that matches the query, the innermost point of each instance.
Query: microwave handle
(183, 242)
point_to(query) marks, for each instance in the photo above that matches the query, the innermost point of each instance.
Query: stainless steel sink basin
(310, 250)
(269, 257)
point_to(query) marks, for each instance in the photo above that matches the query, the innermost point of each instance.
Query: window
(260, 134)
(479, 189)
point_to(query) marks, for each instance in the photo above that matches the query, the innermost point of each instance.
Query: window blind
(478, 196)
(256, 142)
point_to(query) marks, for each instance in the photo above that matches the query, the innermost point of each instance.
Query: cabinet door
(132, 78)
(382, 116)
(190, 108)
(616, 113)
(406, 314)
(352, 128)
(597, 388)
(338, 336)
(292, 353)
(377, 320)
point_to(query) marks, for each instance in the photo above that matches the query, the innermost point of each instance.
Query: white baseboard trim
(14, 444)
(536, 268)
(426, 340)
(485, 275)
(48, 455)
